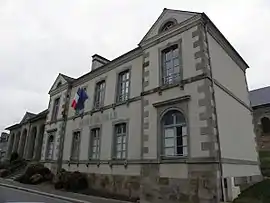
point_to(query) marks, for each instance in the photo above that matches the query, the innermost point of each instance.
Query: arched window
(59, 84)
(174, 134)
(265, 125)
(50, 147)
(168, 25)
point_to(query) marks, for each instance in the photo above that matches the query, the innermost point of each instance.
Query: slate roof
(260, 96)
(29, 117)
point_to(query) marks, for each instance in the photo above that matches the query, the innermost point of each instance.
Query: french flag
(79, 99)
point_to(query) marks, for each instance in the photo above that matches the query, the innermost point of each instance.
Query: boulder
(36, 179)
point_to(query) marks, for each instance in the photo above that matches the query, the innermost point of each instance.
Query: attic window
(59, 84)
(168, 25)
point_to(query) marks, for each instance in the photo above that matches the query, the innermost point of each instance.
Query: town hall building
(167, 121)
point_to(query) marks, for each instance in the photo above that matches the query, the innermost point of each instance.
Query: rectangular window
(123, 86)
(99, 94)
(170, 65)
(50, 147)
(95, 144)
(75, 150)
(55, 109)
(120, 143)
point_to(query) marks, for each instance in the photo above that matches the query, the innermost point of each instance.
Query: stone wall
(200, 186)
(115, 184)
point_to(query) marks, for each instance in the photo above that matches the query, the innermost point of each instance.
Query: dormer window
(168, 25)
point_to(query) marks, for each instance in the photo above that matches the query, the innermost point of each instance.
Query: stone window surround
(50, 133)
(98, 126)
(52, 116)
(160, 62)
(120, 121)
(94, 96)
(180, 104)
(127, 68)
(71, 146)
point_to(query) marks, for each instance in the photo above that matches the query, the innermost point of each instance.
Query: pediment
(27, 116)
(60, 80)
(167, 15)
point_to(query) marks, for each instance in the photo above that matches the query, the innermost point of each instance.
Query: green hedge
(264, 154)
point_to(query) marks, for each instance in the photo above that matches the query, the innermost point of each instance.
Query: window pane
(176, 62)
(169, 142)
(118, 155)
(175, 52)
(124, 147)
(185, 151)
(169, 132)
(118, 147)
(168, 119)
(179, 118)
(184, 140)
(180, 150)
(124, 128)
(124, 139)
(123, 155)
(169, 151)
(119, 139)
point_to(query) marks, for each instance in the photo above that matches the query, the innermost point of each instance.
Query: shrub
(34, 174)
(14, 156)
(23, 179)
(4, 165)
(4, 173)
(70, 181)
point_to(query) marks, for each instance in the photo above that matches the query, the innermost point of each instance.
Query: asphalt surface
(13, 195)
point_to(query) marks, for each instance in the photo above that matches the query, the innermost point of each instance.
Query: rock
(36, 179)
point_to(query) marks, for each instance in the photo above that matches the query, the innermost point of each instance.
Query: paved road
(13, 195)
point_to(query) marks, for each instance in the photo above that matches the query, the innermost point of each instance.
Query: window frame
(72, 146)
(47, 146)
(118, 89)
(182, 105)
(90, 149)
(174, 127)
(95, 95)
(177, 43)
(54, 115)
(114, 142)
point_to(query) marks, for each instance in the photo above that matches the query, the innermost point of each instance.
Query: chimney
(98, 61)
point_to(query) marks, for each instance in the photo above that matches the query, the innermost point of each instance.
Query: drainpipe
(63, 129)
(218, 138)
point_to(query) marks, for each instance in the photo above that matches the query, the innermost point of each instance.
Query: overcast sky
(39, 39)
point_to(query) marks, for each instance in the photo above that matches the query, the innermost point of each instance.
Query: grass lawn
(257, 193)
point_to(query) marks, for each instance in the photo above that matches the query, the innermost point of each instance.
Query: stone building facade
(26, 137)
(163, 122)
(260, 101)
(3, 145)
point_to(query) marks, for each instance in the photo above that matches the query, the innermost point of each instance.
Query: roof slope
(260, 96)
